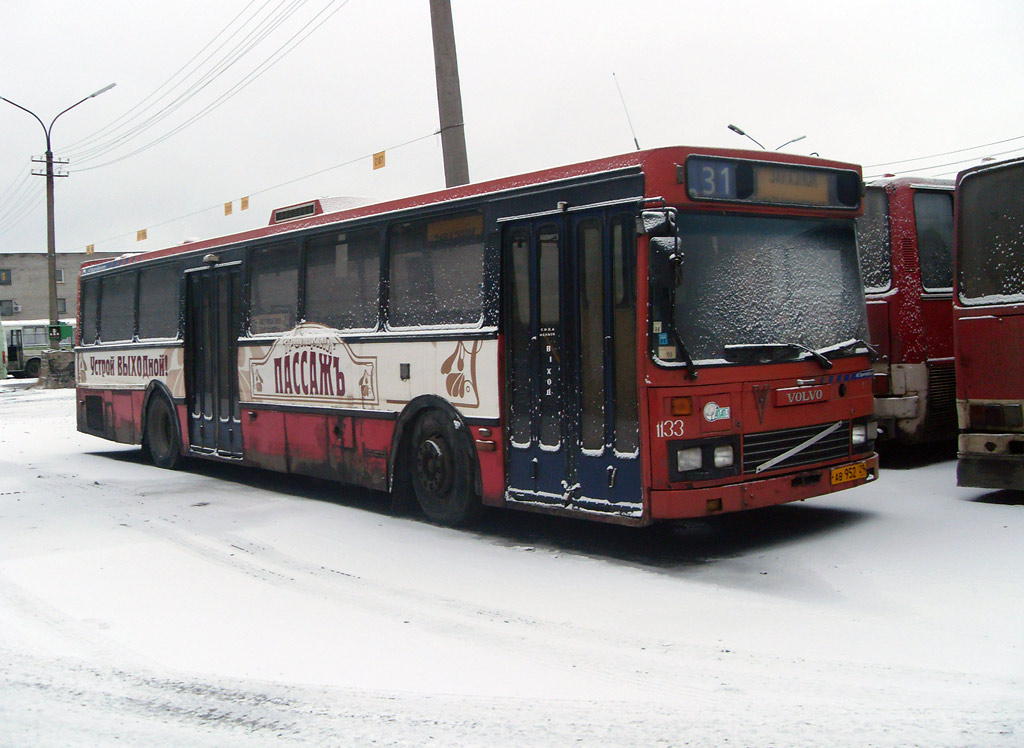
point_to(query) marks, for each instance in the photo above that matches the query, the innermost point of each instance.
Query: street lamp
(738, 131)
(51, 242)
(794, 140)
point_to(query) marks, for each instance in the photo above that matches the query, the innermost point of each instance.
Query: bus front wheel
(161, 442)
(441, 469)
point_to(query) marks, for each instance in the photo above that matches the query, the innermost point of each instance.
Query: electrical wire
(301, 35)
(21, 209)
(950, 163)
(219, 206)
(947, 153)
(116, 122)
(263, 29)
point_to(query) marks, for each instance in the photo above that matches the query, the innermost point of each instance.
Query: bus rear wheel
(32, 368)
(441, 468)
(161, 442)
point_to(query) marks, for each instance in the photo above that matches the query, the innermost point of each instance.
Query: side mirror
(666, 260)
(657, 223)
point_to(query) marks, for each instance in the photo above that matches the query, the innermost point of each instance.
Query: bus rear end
(989, 325)
(758, 376)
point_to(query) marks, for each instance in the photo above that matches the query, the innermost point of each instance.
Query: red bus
(989, 325)
(663, 334)
(905, 239)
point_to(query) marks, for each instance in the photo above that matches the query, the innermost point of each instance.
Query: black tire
(32, 368)
(161, 442)
(441, 465)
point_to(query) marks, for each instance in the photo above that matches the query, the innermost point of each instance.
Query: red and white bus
(906, 251)
(989, 325)
(663, 334)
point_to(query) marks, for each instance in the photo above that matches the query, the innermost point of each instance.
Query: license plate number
(847, 473)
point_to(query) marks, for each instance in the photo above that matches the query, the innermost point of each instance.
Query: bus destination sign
(734, 180)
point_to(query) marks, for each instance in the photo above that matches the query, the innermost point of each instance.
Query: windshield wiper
(778, 347)
(852, 342)
(691, 370)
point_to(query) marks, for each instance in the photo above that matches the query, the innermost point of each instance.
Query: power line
(22, 208)
(947, 153)
(278, 186)
(268, 63)
(113, 124)
(263, 29)
(950, 163)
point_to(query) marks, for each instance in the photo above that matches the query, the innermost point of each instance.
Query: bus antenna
(626, 109)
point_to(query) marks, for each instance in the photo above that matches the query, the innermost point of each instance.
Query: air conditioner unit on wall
(16, 307)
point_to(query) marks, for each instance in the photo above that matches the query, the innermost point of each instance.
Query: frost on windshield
(991, 262)
(873, 241)
(762, 280)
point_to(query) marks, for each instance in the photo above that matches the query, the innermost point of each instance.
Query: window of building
(437, 272)
(59, 275)
(5, 276)
(275, 289)
(343, 280)
(6, 307)
(62, 306)
(159, 293)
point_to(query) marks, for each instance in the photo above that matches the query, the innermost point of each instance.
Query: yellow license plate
(847, 473)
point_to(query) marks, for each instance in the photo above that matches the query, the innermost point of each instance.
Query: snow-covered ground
(220, 606)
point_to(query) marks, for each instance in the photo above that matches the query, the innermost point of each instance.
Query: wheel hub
(433, 466)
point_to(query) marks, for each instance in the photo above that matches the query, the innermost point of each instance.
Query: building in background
(23, 277)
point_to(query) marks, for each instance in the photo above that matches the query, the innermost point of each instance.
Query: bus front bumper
(753, 494)
(990, 461)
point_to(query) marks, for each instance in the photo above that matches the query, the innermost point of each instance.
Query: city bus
(664, 334)
(905, 239)
(989, 325)
(27, 339)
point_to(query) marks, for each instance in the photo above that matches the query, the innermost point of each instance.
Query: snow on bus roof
(323, 211)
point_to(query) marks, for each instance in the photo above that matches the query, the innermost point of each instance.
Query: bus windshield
(990, 238)
(747, 281)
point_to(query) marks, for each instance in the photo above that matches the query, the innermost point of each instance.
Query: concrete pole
(51, 239)
(449, 95)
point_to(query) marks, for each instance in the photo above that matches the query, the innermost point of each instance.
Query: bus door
(212, 311)
(15, 350)
(562, 339)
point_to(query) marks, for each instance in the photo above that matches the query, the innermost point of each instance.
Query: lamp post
(738, 131)
(794, 140)
(51, 242)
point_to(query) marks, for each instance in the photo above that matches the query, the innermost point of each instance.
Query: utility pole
(449, 95)
(51, 240)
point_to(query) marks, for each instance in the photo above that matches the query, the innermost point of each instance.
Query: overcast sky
(868, 82)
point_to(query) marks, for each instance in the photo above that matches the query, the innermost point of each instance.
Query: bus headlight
(689, 459)
(723, 456)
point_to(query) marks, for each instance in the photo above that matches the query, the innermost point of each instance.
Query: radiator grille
(760, 448)
(942, 399)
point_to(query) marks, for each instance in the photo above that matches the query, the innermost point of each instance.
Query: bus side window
(873, 242)
(117, 307)
(343, 280)
(436, 272)
(275, 289)
(933, 214)
(90, 311)
(159, 292)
